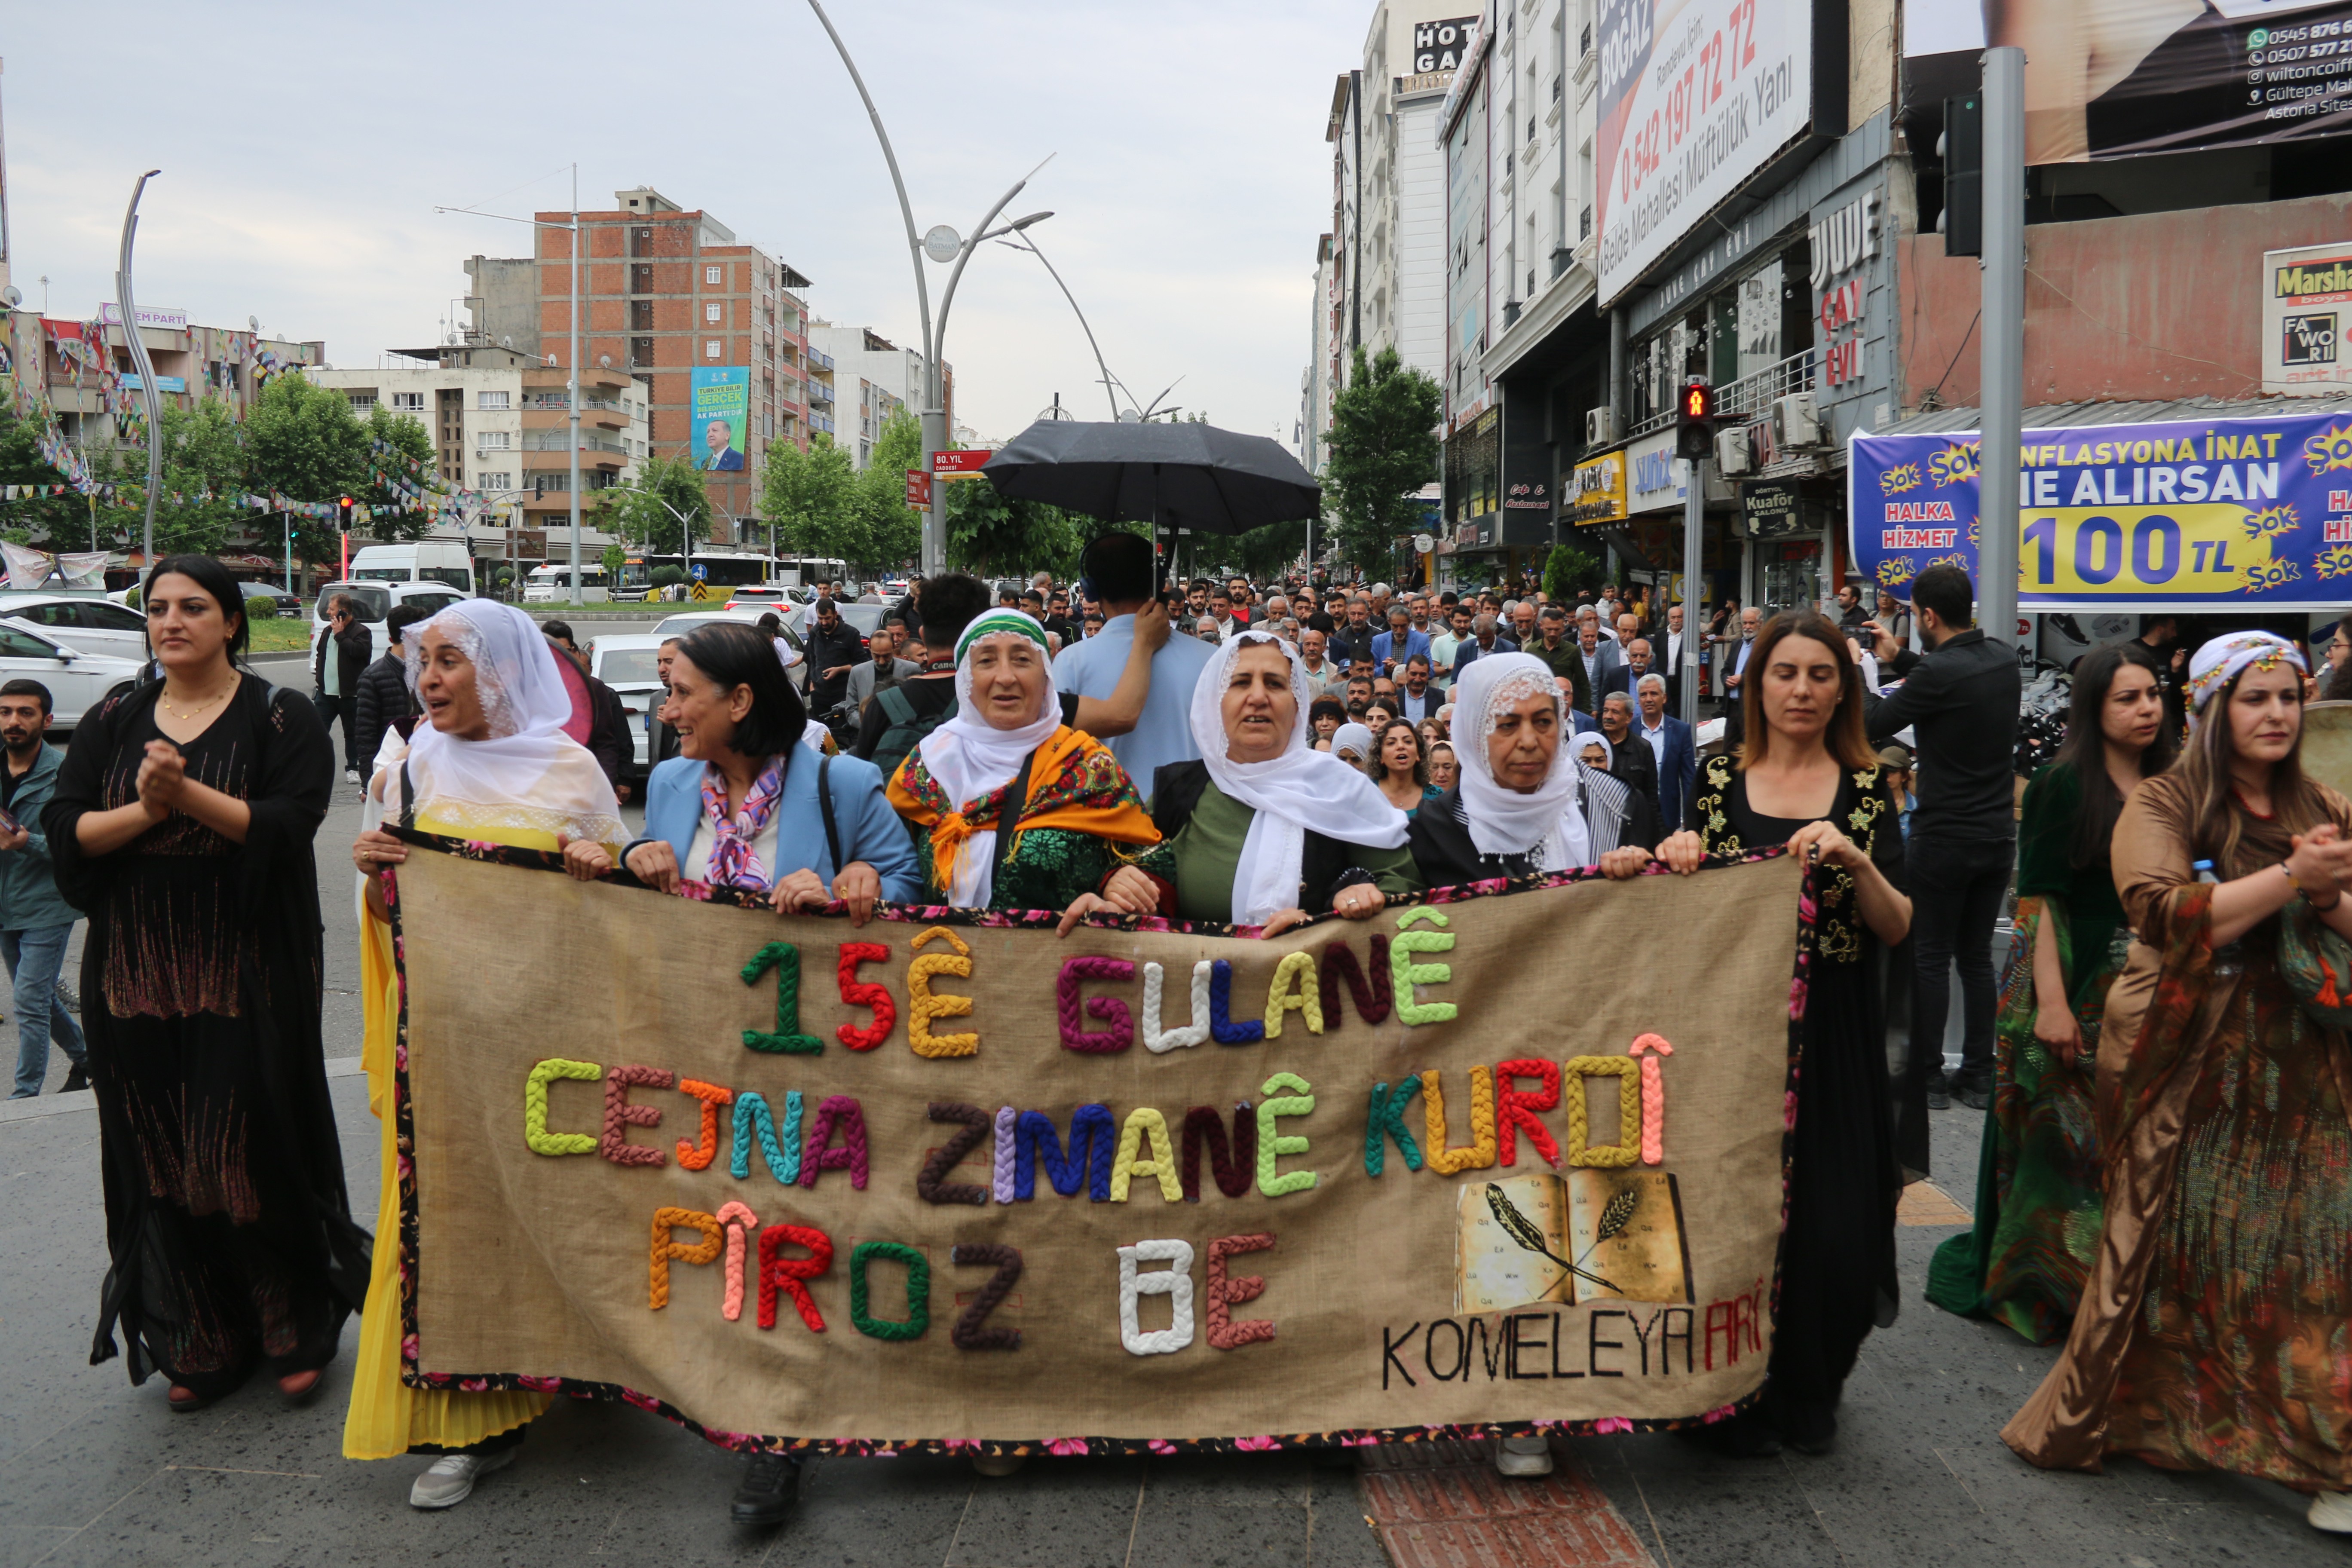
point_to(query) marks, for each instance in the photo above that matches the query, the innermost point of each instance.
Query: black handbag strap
(407, 798)
(825, 806)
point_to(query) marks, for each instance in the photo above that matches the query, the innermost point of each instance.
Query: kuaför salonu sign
(1507, 1160)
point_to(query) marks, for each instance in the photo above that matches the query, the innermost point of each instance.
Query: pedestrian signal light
(1694, 420)
(344, 507)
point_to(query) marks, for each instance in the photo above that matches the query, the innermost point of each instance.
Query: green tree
(894, 530)
(1267, 552)
(389, 514)
(636, 512)
(1383, 448)
(46, 522)
(302, 442)
(1568, 569)
(203, 469)
(993, 535)
(812, 498)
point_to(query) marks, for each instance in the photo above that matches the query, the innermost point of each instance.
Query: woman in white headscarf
(1011, 808)
(1352, 744)
(1581, 747)
(1525, 805)
(490, 762)
(1263, 830)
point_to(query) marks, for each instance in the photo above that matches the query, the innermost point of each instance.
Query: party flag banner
(2236, 512)
(946, 1182)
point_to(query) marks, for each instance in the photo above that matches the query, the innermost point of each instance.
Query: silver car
(87, 621)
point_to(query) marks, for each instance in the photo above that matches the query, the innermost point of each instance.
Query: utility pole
(574, 396)
(2003, 264)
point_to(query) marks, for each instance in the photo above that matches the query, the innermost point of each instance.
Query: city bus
(716, 569)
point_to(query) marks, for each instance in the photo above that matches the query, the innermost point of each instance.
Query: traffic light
(1961, 146)
(1694, 420)
(344, 508)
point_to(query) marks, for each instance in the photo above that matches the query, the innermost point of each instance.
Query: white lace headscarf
(527, 775)
(1299, 789)
(1549, 819)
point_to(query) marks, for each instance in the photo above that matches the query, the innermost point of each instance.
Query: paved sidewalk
(93, 1471)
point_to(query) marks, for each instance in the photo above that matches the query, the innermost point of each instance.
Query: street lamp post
(1112, 386)
(571, 395)
(148, 394)
(935, 416)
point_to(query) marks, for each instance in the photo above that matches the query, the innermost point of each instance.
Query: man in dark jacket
(385, 700)
(834, 649)
(335, 683)
(1961, 698)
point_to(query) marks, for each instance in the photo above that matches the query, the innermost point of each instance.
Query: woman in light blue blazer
(741, 806)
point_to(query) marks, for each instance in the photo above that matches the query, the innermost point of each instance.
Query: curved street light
(148, 394)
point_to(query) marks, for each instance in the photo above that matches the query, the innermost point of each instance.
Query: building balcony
(559, 460)
(819, 358)
(818, 392)
(1752, 396)
(596, 413)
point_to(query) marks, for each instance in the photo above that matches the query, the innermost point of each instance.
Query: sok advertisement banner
(952, 1182)
(2124, 517)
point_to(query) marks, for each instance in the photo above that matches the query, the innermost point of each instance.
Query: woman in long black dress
(1806, 778)
(182, 823)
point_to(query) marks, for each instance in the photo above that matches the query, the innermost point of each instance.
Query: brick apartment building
(664, 291)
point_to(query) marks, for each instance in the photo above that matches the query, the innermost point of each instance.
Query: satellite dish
(506, 341)
(14, 299)
(605, 360)
(254, 321)
(942, 244)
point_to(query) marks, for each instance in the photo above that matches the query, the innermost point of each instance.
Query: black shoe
(1743, 1437)
(1808, 1428)
(1975, 1093)
(1940, 1092)
(769, 1489)
(77, 1078)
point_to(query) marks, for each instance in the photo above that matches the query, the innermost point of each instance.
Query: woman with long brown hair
(2212, 1322)
(2037, 1208)
(1806, 777)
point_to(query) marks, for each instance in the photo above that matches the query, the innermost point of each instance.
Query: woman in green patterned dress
(1009, 808)
(2213, 1324)
(2038, 1206)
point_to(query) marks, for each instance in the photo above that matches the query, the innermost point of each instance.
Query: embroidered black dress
(1837, 1257)
(229, 1229)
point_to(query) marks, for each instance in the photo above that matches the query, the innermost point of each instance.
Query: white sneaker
(1523, 1457)
(450, 1479)
(351, 776)
(2331, 1511)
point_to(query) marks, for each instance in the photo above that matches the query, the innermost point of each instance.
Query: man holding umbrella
(1119, 571)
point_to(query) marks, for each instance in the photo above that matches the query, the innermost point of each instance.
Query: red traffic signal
(1694, 420)
(344, 514)
(1699, 403)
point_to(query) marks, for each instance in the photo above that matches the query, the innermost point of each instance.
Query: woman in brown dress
(2213, 1330)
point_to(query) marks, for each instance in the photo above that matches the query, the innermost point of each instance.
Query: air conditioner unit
(1731, 451)
(1600, 427)
(1794, 422)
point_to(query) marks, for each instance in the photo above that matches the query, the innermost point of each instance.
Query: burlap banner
(1505, 1161)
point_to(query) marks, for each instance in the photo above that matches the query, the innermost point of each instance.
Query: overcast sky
(304, 147)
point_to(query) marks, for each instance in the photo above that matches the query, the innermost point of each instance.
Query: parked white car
(77, 681)
(625, 662)
(88, 621)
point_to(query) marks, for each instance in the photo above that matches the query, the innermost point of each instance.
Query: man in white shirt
(1323, 676)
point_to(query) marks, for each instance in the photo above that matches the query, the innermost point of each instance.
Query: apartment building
(85, 370)
(877, 380)
(666, 292)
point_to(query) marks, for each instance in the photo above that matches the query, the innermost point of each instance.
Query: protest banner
(1501, 1162)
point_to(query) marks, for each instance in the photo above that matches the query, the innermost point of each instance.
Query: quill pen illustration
(1521, 1230)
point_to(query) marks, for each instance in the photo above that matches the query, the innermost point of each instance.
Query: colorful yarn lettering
(1157, 1039)
(1372, 1000)
(1000, 1188)
(1294, 987)
(783, 1155)
(836, 1110)
(1408, 975)
(970, 1333)
(791, 1275)
(1628, 1147)
(740, 1223)
(1175, 1282)
(855, 993)
(918, 1291)
(931, 1184)
(1386, 1120)
(1221, 1027)
(1092, 1140)
(923, 1006)
(534, 1107)
(620, 1115)
(698, 1155)
(667, 1246)
(785, 960)
(1227, 1292)
(1480, 1154)
(1516, 1108)
(1653, 1097)
(1141, 1123)
(1236, 1173)
(1110, 1009)
(1293, 1096)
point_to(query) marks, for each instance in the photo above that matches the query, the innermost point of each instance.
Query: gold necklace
(165, 703)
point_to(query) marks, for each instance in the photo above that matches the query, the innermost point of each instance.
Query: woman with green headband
(1010, 807)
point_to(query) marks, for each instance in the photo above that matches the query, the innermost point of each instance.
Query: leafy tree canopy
(1383, 449)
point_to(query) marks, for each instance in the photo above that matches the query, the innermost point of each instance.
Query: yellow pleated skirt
(388, 1417)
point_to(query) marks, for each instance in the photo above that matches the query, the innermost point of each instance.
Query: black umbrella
(1175, 475)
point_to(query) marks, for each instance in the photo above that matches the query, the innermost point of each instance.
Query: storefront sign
(1597, 491)
(1771, 510)
(1654, 475)
(1534, 497)
(2239, 513)
(2306, 305)
(1845, 242)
